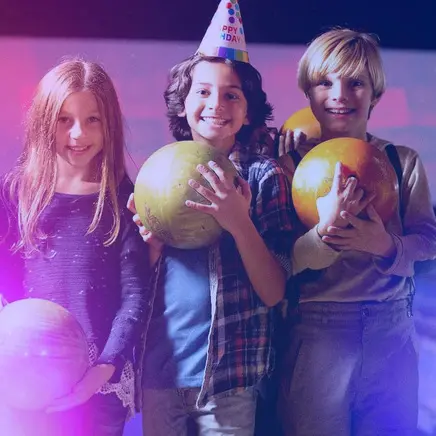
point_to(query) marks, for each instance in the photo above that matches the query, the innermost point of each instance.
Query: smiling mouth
(216, 121)
(340, 111)
(79, 149)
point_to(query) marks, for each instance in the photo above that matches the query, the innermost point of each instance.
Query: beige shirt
(353, 276)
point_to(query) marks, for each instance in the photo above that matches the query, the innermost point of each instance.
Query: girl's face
(79, 131)
(215, 108)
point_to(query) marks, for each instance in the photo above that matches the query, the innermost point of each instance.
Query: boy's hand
(369, 235)
(92, 381)
(229, 204)
(290, 140)
(155, 244)
(342, 197)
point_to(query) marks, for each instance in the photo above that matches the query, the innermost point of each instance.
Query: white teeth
(78, 148)
(340, 111)
(213, 120)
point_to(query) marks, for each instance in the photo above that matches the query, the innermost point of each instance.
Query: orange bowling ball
(372, 168)
(304, 121)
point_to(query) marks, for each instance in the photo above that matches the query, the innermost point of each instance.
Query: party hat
(225, 36)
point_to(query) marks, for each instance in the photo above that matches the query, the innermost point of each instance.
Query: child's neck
(76, 181)
(327, 135)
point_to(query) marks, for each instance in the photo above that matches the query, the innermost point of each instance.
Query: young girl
(79, 246)
(209, 342)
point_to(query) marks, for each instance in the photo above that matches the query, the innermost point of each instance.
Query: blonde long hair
(31, 184)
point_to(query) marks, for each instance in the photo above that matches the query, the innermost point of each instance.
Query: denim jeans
(350, 369)
(168, 413)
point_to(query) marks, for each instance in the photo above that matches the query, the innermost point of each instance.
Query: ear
(307, 93)
(374, 102)
(182, 114)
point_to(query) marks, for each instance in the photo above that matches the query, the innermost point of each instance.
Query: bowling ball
(300, 121)
(304, 121)
(372, 168)
(161, 189)
(43, 353)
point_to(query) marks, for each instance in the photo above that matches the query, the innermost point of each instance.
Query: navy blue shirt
(104, 287)
(177, 337)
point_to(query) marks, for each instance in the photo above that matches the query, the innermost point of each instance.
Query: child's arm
(419, 240)
(393, 253)
(312, 249)
(309, 250)
(135, 292)
(11, 264)
(265, 247)
(128, 321)
(264, 252)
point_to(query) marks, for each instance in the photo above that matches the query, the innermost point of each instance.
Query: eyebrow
(93, 112)
(226, 86)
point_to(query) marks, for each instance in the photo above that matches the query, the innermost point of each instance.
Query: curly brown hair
(179, 85)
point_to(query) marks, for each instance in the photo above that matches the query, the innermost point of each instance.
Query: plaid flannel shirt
(240, 351)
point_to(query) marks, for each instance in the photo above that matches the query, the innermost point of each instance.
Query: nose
(76, 130)
(339, 91)
(215, 101)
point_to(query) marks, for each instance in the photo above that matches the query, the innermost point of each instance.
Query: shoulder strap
(392, 153)
(420, 267)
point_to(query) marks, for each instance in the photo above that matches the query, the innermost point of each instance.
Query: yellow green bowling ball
(161, 189)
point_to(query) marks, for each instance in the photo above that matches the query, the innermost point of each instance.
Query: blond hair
(31, 184)
(344, 52)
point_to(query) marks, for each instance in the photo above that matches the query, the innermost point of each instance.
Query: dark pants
(103, 415)
(350, 369)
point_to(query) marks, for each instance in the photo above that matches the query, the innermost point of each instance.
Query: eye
(357, 83)
(203, 92)
(232, 96)
(94, 119)
(63, 119)
(325, 83)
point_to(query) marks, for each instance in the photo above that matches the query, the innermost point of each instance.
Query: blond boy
(351, 366)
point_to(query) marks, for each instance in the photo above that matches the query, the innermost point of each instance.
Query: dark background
(407, 25)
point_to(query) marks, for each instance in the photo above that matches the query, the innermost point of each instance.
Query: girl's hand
(93, 380)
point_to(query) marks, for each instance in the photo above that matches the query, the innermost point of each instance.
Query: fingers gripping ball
(372, 168)
(303, 121)
(43, 353)
(161, 190)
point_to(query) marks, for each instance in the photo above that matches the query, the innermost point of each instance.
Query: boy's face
(342, 105)
(215, 107)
